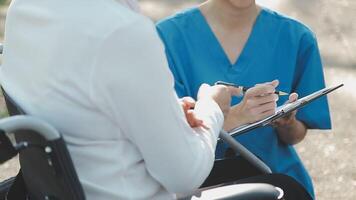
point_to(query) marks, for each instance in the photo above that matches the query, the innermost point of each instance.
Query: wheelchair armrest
(250, 191)
(24, 122)
(245, 153)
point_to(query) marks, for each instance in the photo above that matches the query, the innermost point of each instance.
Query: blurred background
(330, 156)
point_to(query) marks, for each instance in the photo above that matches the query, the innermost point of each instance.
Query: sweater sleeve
(133, 86)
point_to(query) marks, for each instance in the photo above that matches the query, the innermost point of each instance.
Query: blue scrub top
(278, 48)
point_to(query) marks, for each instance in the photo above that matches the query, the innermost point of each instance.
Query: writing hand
(258, 103)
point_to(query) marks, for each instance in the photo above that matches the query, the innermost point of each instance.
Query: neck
(228, 15)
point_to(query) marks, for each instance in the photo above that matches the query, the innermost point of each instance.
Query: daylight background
(330, 156)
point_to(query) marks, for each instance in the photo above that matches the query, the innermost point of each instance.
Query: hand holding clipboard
(283, 110)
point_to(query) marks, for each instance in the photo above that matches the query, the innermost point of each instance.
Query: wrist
(234, 119)
(292, 133)
(286, 123)
(205, 108)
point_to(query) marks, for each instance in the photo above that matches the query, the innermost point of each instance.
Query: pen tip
(283, 93)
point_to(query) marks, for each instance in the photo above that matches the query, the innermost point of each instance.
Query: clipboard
(283, 110)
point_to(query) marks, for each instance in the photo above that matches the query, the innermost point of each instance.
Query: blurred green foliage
(2, 2)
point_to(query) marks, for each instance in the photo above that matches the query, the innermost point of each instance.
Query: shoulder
(126, 35)
(128, 18)
(290, 25)
(286, 21)
(128, 24)
(130, 44)
(181, 20)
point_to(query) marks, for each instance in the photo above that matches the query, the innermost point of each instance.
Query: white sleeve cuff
(209, 111)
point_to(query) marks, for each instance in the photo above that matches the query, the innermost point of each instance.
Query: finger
(190, 119)
(260, 100)
(290, 115)
(265, 108)
(193, 120)
(267, 114)
(274, 83)
(183, 105)
(293, 97)
(235, 91)
(188, 99)
(222, 86)
(260, 90)
(189, 102)
(204, 126)
(286, 119)
(264, 115)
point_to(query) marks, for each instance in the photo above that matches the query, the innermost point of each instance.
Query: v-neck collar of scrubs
(215, 45)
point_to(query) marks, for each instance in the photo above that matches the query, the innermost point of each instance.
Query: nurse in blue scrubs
(240, 42)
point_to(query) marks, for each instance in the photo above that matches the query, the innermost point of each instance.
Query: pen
(244, 89)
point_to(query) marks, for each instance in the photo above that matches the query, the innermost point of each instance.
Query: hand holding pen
(244, 88)
(258, 102)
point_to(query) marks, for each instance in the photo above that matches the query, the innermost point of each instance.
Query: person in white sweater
(97, 71)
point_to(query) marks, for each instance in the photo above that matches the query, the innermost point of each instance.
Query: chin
(241, 3)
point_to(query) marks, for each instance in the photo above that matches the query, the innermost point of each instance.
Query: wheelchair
(47, 171)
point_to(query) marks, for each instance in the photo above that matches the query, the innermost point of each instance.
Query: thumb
(188, 101)
(293, 97)
(234, 91)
